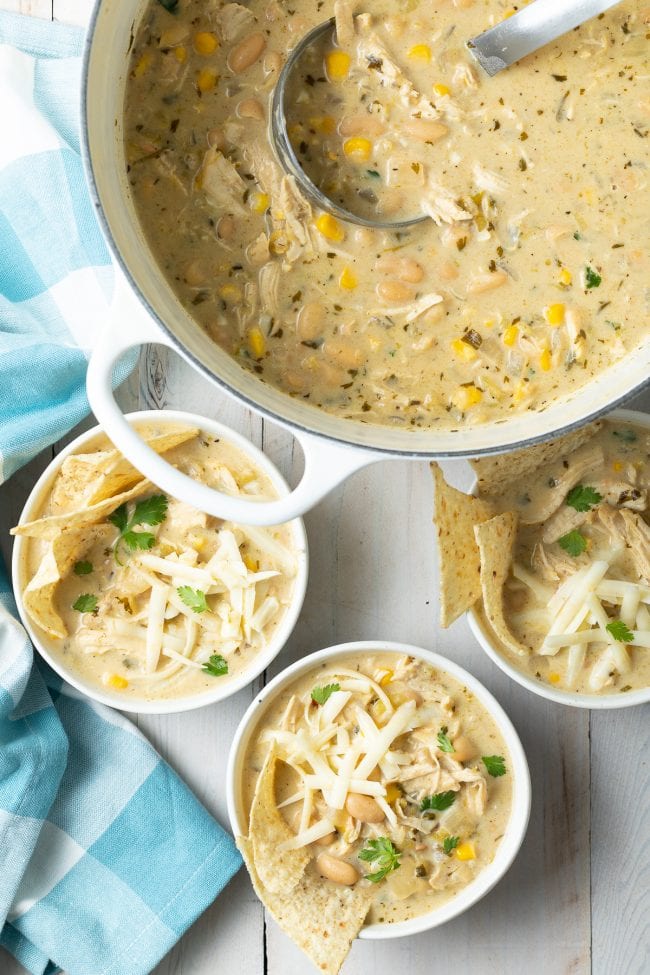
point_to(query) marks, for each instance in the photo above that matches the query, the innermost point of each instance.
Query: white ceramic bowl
(46, 645)
(485, 637)
(517, 824)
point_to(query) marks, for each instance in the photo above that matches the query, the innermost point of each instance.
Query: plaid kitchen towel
(105, 856)
(55, 272)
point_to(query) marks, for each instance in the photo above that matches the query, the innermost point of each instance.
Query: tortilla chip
(456, 514)
(495, 474)
(320, 917)
(39, 595)
(85, 479)
(496, 540)
(52, 526)
(278, 871)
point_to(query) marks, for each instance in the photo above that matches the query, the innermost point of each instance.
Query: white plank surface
(576, 900)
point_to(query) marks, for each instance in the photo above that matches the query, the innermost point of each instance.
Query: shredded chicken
(222, 184)
(233, 20)
(584, 460)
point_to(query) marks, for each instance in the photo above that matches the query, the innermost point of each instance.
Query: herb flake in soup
(532, 275)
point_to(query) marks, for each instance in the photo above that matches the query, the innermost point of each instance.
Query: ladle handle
(531, 28)
(327, 464)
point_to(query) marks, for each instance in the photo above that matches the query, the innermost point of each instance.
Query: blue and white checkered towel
(105, 856)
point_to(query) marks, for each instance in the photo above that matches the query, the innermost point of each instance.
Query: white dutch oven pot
(146, 310)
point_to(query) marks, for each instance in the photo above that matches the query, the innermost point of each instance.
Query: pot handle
(129, 325)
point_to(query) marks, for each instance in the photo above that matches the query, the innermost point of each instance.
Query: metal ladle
(529, 29)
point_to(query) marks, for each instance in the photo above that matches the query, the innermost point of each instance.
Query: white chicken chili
(578, 594)
(530, 278)
(150, 597)
(391, 776)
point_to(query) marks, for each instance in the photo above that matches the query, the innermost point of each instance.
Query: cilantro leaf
(86, 603)
(620, 631)
(193, 598)
(438, 802)
(574, 543)
(592, 278)
(582, 498)
(495, 765)
(626, 435)
(384, 854)
(322, 694)
(216, 666)
(450, 843)
(119, 518)
(82, 568)
(151, 511)
(138, 541)
(444, 743)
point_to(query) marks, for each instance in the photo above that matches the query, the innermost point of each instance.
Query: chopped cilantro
(384, 854)
(216, 666)
(438, 802)
(86, 603)
(82, 568)
(193, 598)
(444, 744)
(626, 435)
(169, 5)
(574, 543)
(577, 236)
(582, 498)
(151, 511)
(495, 765)
(322, 694)
(450, 843)
(592, 278)
(620, 631)
(373, 173)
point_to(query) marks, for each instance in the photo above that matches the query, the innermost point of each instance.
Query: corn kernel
(386, 679)
(326, 124)
(143, 64)
(466, 397)
(180, 53)
(377, 710)
(420, 52)
(348, 279)
(251, 564)
(565, 277)
(230, 292)
(510, 335)
(358, 148)
(617, 466)
(440, 90)
(115, 681)
(545, 360)
(554, 678)
(520, 392)
(554, 314)
(463, 350)
(465, 851)
(337, 65)
(207, 80)
(440, 835)
(393, 792)
(329, 227)
(260, 202)
(509, 13)
(205, 43)
(256, 343)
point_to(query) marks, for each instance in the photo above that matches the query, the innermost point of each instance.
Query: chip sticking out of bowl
(321, 917)
(456, 514)
(496, 539)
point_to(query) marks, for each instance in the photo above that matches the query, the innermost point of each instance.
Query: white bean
(364, 808)
(340, 871)
(247, 52)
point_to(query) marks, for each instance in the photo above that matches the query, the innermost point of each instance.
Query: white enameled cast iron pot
(145, 309)
(517, 767)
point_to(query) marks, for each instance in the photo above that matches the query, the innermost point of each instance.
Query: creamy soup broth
(427, 876)
(532, 276)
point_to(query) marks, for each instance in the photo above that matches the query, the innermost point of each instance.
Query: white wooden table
(577, 899)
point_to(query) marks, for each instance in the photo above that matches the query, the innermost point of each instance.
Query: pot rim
(245, 399)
